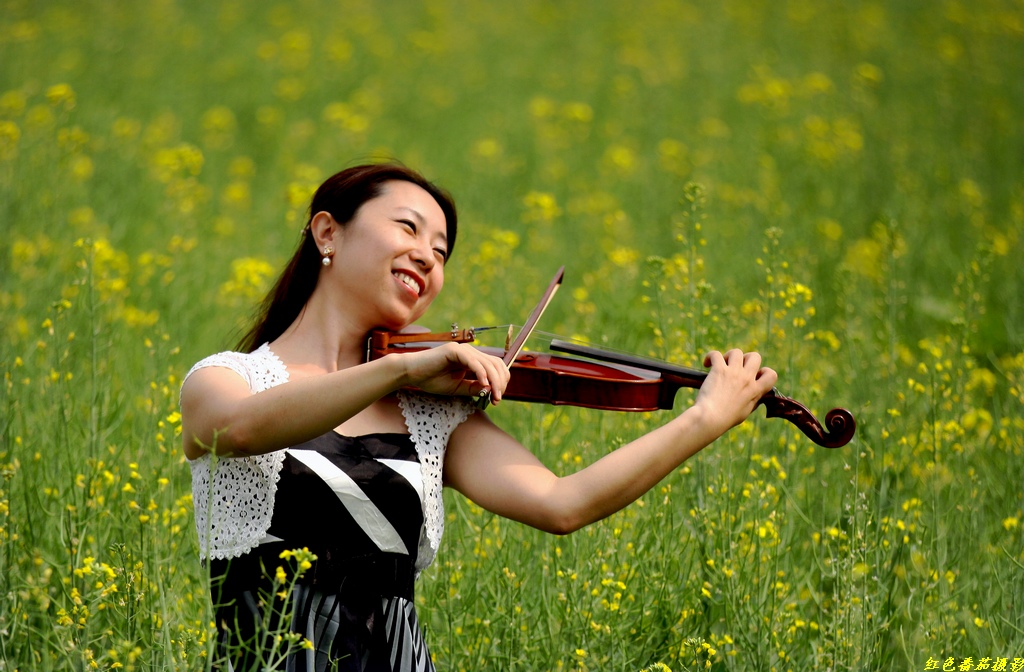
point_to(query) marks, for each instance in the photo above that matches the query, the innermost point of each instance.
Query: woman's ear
(325, 230)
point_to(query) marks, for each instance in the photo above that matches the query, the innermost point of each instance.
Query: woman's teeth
(409, 282)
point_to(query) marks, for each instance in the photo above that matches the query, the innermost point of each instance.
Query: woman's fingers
(767, 376)
(752, 360)
(735, 384)
(734, 357)
(498, 377)
(712, 358)
(458, 368)
(490, 371)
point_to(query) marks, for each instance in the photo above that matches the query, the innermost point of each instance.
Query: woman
(296, 442)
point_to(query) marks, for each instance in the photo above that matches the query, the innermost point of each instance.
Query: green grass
(838, 185)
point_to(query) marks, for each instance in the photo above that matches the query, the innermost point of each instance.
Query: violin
(590, 377)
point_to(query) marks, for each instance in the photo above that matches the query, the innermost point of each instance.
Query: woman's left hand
(735, 384)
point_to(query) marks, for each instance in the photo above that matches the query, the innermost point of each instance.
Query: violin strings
(546, 337)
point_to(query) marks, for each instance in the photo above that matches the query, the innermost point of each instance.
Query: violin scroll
(839, 423)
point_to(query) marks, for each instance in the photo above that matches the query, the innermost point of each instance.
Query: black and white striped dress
(356, 502)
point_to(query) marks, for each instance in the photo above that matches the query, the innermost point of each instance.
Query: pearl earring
(328, 253)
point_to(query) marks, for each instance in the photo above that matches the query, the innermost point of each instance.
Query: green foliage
(838, 185)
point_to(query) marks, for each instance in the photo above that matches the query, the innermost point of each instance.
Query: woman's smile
(411, 283)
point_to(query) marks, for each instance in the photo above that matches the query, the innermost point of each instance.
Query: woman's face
(390, 258)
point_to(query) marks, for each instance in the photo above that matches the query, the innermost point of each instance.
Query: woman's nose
(423, 257)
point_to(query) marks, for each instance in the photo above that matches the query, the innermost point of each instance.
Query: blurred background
(839, 185)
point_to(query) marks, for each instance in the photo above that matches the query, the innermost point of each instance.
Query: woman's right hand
(456, 369)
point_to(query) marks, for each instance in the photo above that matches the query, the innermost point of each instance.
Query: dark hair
(341, 195)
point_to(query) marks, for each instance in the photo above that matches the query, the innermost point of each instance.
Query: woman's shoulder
(260, 369)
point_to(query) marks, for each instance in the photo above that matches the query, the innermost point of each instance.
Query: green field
(839, 185)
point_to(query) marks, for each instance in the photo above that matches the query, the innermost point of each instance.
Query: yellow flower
(242, 167)
(81, 168)
(769, 90)
(126, 129)
(577, 112)
(237, 194)
(864, 258)
(249, 279)
(298, 194)
(39, 116)
(62, 618)
(817, 82)
(10, 134)
(487, 148)
(540, 206)
(13, 102)
(982, 378)
(870, 74)
(345, 117)
(219, 119)
(541, 107)
(623, 256)
(176, 162)
(61, 95)
(621, 159)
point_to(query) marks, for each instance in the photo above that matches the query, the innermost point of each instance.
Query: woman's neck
(322, 338)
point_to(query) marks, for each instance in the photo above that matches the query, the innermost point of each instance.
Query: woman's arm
(498, 473)
(219, 411)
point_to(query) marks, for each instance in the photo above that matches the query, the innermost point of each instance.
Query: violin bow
(839, 424)
(513, 350)
(516, 346)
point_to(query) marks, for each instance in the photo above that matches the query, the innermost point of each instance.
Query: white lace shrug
(234, 497)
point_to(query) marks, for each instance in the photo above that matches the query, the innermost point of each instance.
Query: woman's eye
(441, 253)
(411, 225)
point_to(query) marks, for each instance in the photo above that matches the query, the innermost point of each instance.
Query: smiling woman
(396, 241)
(340, 196)
(296, 442)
